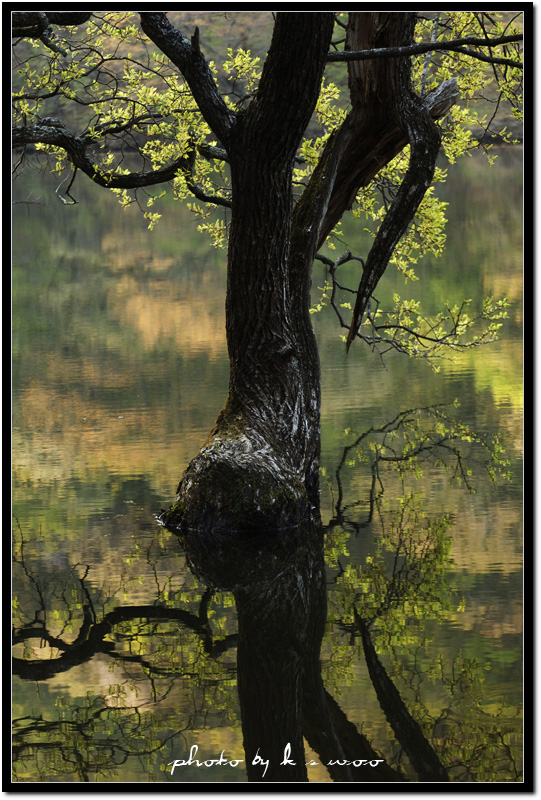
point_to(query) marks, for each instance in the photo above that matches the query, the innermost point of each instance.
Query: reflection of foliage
(403, 583)
(403, 580)
(478, 740)
(171, 666)
(489, 744)
(171, 659)
(90, 741)
(404, 444)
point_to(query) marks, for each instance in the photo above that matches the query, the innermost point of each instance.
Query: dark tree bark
(260, 465)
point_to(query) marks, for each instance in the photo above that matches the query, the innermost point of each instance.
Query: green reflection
(398, 598)
(171, 671)
(160, 674)
(119, 370)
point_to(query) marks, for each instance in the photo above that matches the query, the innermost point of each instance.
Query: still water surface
(123, 659)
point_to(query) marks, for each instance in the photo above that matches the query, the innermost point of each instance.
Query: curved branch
(91, 639)
(395, 116)
(425, 139)
(371, 147)
(200, 194)
(53, 132)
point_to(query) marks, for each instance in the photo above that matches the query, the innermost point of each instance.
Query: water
(119, 371)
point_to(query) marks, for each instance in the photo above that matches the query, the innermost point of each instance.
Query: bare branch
(507, 62)
(425, 47)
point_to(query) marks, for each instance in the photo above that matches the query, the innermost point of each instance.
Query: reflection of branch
(83, 726)
(387, 427)
(408, 732)
(442, 443)
(354, 745)
(90, 640)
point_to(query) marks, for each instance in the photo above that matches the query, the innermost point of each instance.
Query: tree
(135, 85)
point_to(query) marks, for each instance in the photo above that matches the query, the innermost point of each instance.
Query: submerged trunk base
(232, 486)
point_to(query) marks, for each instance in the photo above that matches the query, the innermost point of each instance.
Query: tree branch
(32, 24)
(290, 78)
(425, 139)
(53, 132)
(357, 167)
(507, 62)
(187, 56)
(425, 47)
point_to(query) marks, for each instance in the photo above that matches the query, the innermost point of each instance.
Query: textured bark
(375, 120)
(260, 466)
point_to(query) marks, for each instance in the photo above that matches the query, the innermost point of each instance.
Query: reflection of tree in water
(388, 601)
(185, 642)
(414, 437)
(159, 652)
(88, 740)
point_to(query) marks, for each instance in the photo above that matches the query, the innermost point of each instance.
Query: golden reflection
(489, 542)
(192, 322)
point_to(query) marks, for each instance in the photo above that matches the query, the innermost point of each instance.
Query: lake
(124, 659)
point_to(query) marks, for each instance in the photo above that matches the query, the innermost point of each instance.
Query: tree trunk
(259, 468)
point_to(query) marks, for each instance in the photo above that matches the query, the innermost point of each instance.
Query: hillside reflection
(290, 607)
